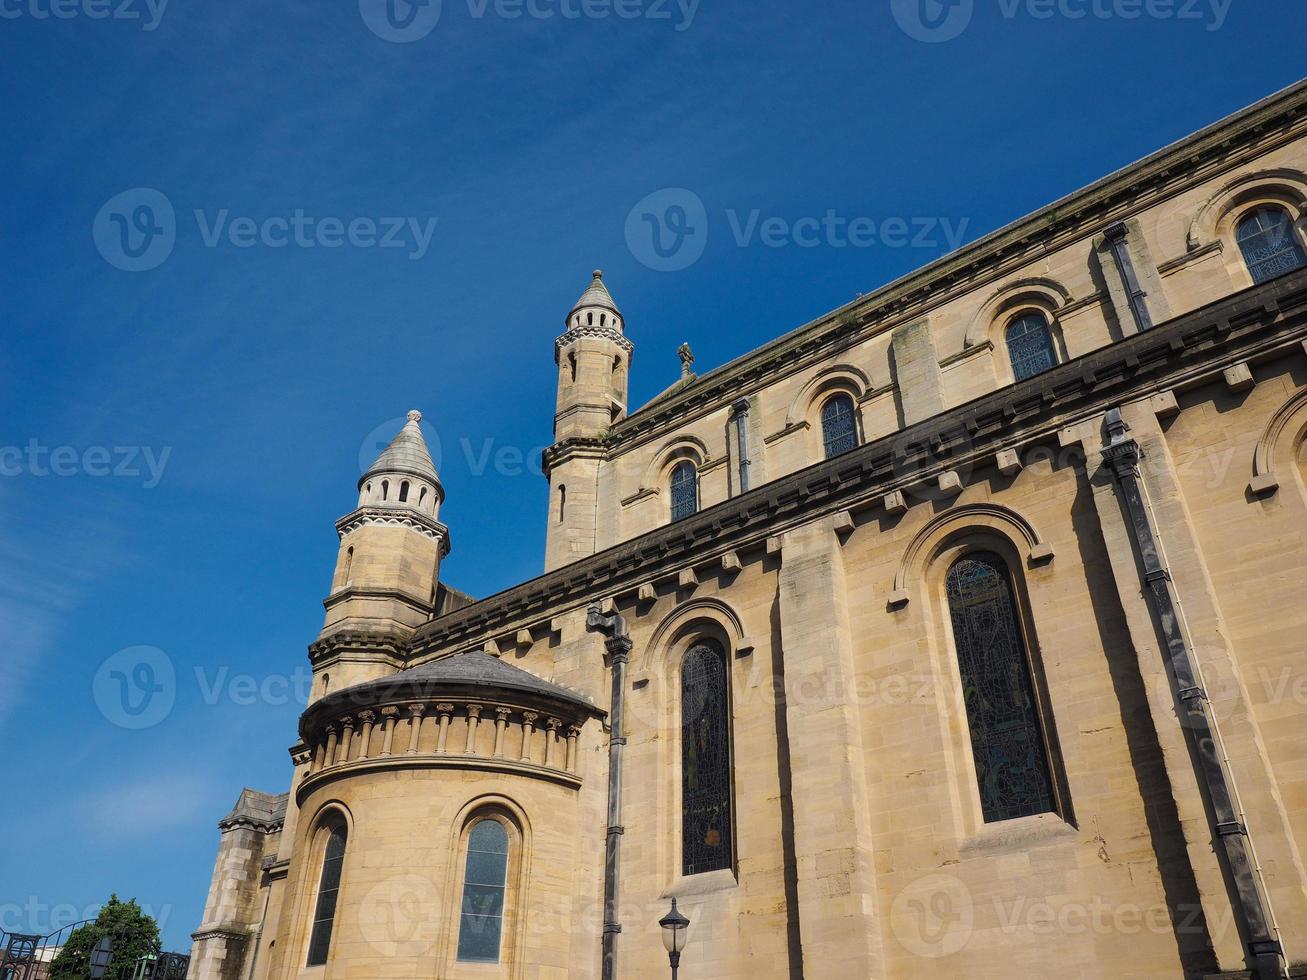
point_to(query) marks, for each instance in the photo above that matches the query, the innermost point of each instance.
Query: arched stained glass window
(324, 910)
(481, 919)
(839, 429)
(1007, 737)
(685, 490)
(705, 761)
(1268, 243)
(1029, 345)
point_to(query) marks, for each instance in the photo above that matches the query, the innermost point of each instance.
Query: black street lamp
(675, 927)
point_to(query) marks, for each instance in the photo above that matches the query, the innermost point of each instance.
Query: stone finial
(687, 360)
(414, 415)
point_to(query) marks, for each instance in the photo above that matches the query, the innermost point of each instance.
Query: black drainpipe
(618, 645)
(1116, 238)
(1122, 455)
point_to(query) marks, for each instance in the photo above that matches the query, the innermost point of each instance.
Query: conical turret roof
(407, 453)
(596, 294)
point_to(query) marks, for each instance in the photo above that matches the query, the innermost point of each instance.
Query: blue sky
(178, 442)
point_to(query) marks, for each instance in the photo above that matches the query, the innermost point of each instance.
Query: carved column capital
(367, 717)
(390, 711)
(502, 713)
(417, 710)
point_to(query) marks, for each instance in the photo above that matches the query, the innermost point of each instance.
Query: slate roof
(596, 294)
(407, 453)
(264, 810)
(473, 672)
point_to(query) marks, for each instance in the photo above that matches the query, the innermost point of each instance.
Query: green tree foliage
(133, 933)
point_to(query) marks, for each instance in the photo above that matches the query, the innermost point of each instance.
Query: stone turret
(594, 363)
(388, 566)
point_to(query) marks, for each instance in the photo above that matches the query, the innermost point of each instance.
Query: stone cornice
(428, 526)
(602, 333)
(575, 448)
(1185, 350)
(263, 826)
(387, 643)
(1271, 122)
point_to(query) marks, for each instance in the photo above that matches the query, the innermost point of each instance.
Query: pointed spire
(596, 294)
(407, 453)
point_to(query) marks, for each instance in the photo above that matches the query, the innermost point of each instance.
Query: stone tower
(388, 566)
(594, 363)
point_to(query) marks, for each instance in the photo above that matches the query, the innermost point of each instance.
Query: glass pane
(1030, 346)
(839, 429)
(1007, 738)
(481, 921)
(324, 912)
(478, 938)
(705, 762)
(1270, 247)
(484, 899)
(484, 868)
(685, 491)
(489, 835)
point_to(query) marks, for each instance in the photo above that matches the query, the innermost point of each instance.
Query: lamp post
(675, 927)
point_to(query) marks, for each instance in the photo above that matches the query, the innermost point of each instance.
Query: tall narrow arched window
(839, 428)
(562, 502)
(1268, 243)
(1029, 345)
(706, 837)
(481, 919)
(324, 908)
(403, 492)
(685, 490)
(1007, 736)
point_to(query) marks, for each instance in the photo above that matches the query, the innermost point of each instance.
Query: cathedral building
(957, 633)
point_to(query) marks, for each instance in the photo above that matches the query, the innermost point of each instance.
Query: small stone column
(528, 726)
(319, 754)
(573, 733)
(365, 737)
(501, 719)
(346, 738)
(391, 715)
(329, 755)
(445, 709)
(551, 740)
(473, 720)
(415, 713)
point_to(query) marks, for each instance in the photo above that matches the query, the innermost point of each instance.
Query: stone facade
(1147, 496)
